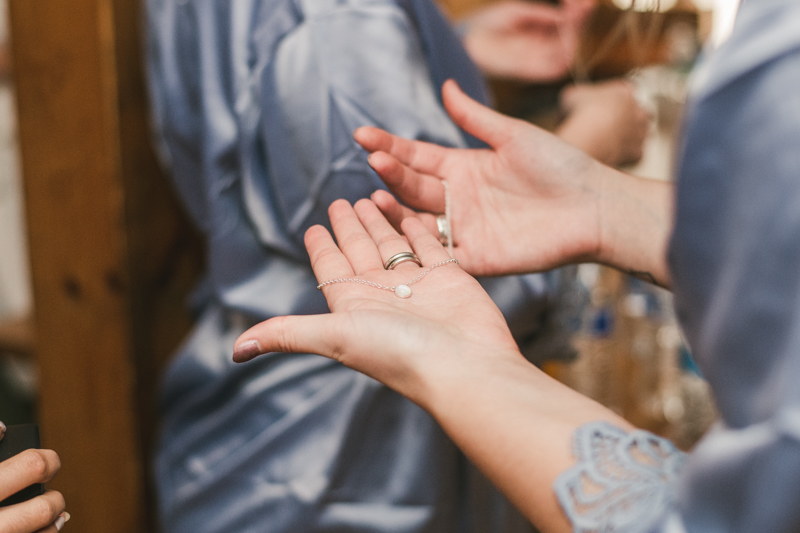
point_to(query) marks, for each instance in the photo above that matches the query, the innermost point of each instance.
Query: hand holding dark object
(20, 476)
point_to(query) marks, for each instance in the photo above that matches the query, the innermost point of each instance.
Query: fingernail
(2, 430)
(61, 520)
(246, 351)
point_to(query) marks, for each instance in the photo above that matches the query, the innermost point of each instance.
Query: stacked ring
(402, 257)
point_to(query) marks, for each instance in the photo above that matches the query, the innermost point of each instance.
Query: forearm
(516, 424)
(635, 221)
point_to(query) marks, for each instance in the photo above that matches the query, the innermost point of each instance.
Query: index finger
(420, 191)
(327, 261)
(420, 156)
(26, 469)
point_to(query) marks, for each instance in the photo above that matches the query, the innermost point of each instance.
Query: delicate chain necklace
(402, 290)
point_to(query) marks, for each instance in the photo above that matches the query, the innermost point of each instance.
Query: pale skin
(527, 41)
(528, 203)
(43, 514)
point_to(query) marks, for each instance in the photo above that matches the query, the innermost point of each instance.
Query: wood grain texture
(112, 256)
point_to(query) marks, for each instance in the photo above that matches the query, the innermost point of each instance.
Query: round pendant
(402, 291)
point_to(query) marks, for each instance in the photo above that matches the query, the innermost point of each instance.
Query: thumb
(320, 334)
(475, 118)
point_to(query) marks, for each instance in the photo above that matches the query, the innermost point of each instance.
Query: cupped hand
(43, 514)
(400, 342)
(528, 203)
(527, 41)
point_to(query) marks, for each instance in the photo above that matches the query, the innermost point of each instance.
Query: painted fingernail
(247, 350)
(61, 520)
(2, 430)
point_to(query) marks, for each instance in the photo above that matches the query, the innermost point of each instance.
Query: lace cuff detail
(622, 481)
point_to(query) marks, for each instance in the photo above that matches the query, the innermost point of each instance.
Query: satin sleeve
(735, 260)
(346, 65)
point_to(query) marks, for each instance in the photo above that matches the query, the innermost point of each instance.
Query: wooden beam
(111, 255)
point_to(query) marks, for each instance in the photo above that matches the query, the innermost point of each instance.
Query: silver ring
(444, 228)
(402, 257)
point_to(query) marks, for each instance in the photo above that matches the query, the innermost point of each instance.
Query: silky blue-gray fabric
(255, 102)
(735, 263)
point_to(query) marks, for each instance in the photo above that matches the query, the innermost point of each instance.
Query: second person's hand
(530, 202)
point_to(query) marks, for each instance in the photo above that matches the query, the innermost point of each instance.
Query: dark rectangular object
(18, 439)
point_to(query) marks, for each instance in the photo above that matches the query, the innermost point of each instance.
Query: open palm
(527, 203)
(372, 330)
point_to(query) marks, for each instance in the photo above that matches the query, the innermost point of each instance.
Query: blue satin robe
(255, 102)
(735, 263)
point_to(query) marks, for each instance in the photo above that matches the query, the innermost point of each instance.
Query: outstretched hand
(400, 342)
(530, 202)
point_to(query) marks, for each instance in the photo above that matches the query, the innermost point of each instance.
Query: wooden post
(112, 256)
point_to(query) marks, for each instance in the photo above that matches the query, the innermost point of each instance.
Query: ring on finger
(402, 257)
(443, 225)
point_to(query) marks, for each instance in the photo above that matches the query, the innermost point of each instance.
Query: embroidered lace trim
(622, 481)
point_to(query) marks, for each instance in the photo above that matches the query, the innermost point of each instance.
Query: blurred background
(96, 257)
(18, 384)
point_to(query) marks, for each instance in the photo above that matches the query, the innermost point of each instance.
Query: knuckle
(285, 338)
(59, 501)
(425, 242)
(355, 239)
(35, 462)
(42, 510)
(390, 239)
(322, 256)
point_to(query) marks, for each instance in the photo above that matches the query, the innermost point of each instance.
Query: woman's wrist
(515, 423)
(634, 221)
(437, 380)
